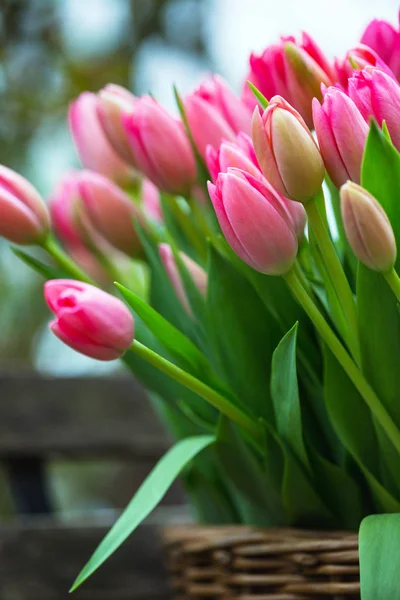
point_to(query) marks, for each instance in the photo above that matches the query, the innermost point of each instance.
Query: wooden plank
(83, 417)
(40, 559)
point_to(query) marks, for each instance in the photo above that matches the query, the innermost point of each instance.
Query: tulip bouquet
(258, 261)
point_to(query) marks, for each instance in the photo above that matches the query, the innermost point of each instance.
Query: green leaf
(258, 500)
(354, 425)
(379, 548)
(259, 96)
(243, 334)
(145, 500)
(285, 396)
(169, 336)
(37, 265)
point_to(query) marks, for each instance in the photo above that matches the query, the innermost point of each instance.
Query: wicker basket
(261, 564)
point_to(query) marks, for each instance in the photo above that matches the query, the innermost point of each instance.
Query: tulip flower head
(342, 133)
(377, 95)
(160, 146)
(215, 114)
(286, 151)
(198, 275)
(293, 70)
(255, 221)
(151, 201)
(382, 37)
(24, 218)
(113, 102)
(110, 211)
(230, 154)
(358, 58)
(89, 320)
(367, 228)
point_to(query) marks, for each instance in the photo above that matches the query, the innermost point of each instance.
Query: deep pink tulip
(358, 58)
(286, 151)
(255, 221)
(382, 37)
(111, 212)
(377, 95)
(293, 70)
(160, 146)
(231, 154)
(197, 273)
(342, 133)
(89, 320)
(113, 102)
(91, 143)
(150, 199)
(24, 218)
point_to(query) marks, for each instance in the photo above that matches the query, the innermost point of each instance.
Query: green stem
(198, 387)
(344, 359)
(65, 261)
(394, 281)
(337, 275)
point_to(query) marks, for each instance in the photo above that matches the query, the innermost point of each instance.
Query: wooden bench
(43, 419)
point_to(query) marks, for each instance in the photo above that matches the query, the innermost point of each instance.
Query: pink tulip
(255, 221)
(358, 58)
(367, 228)
(91, 143)
(160, 147)
(89, 320)
(286, 151)
(293, 70)
(23, 215)
(342, 133)
(198, 275)
(64, 204)
(110, 210)
(382, 37)
(230, 154)
(113, 102)
(151, 201)
(377, 95)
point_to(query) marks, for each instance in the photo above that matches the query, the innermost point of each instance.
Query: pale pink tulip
(91, 142)
(24, 218)
(286, 151)
(367, 228)
(342, 133)
(160, 146)
(196, 272)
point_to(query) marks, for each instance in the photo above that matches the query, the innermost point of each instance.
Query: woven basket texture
(261, 564)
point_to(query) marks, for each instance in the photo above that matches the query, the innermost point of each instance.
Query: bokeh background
(51, 50)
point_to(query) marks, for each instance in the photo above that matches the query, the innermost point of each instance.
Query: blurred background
(51, 50)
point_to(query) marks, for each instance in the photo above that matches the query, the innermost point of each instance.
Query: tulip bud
(255, 221)
(228, 155)
(382, 37)
(358, 57)
(198, 275)
(377, 95)
(293, 70)
(151, 201)
(367, 228)
(89, 320)
(110, 211)
(91, 143)
(113, 102)
(342, 133)
(23, 215)
(286, 151)
(160, 147)
(64, 210)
